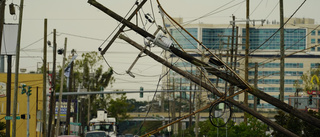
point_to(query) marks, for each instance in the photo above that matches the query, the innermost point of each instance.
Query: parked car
(96, 134)
(68, 136)
(128, 135)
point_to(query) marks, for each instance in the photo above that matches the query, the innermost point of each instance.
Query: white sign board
(9, 39)
(3, 89)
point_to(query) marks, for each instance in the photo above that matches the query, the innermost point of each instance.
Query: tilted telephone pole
(61, 88)
(44, 84)
(246, 65)
(235, 80)
(53, 87)
(16, 79)
(281, 52)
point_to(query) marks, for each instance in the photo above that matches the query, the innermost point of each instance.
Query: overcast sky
(87, 27)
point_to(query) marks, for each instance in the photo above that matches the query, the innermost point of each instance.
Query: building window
(313, 33)
(313, 41)
(318, 48)
(258, 36)
(313, 49)
(277, 65)
(315, 65)
(318, 32)
(214, 38)
(318, 41)
(186, 41)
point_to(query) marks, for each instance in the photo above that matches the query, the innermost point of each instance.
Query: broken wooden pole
(208, 87)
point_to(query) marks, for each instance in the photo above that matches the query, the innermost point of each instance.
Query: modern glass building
(299, 37)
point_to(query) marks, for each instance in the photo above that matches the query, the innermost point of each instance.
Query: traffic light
(141, 92)
(24, 116)
(310, 100)
(60, 51)
(29, 91)
(258, 101)
(23, 89)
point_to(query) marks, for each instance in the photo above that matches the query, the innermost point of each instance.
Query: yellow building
(33, 80)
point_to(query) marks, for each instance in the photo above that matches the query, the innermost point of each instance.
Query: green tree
(207, 129)
(254, 128)
(296, 125)
(2, 129)
(310, 130)
(91, 75)
(117, 107)
(308, 82)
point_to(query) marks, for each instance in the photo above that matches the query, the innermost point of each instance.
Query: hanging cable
(279, 28)
(160, 78)
(213, 12)
(256, 7)
(203, 46)
(110, 66)
(118, 25)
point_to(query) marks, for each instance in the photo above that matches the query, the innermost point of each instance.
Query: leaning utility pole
(16, 79)
(246, 65)
(208, 87)
(44, 84)
(53, 87)
(69, 97)
(281, 52)
(255, 84)
(61, 88)
(139, 6)
(235, 80)
(231, 90)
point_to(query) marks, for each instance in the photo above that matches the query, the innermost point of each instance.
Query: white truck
(103, 123)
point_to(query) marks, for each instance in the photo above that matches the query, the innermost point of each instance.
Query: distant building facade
(300, 34)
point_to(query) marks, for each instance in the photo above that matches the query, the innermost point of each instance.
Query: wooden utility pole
(53, 87)
(180, 124)
(122, 27)
(255, 84)
(44, 84)
(246, 78)
(89, 101)
(236, 50)
(231, 90)
(173, 107)
(281, 52)
(16, 79)
(190, 102)
(235, 80)
(69, 97)
(209, 87)
(61, 88)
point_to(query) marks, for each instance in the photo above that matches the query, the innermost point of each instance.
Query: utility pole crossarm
(121, 19)
(243, 85)
(122, 27)
(207, 86)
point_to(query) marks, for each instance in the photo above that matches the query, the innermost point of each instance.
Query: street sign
(10, 117)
